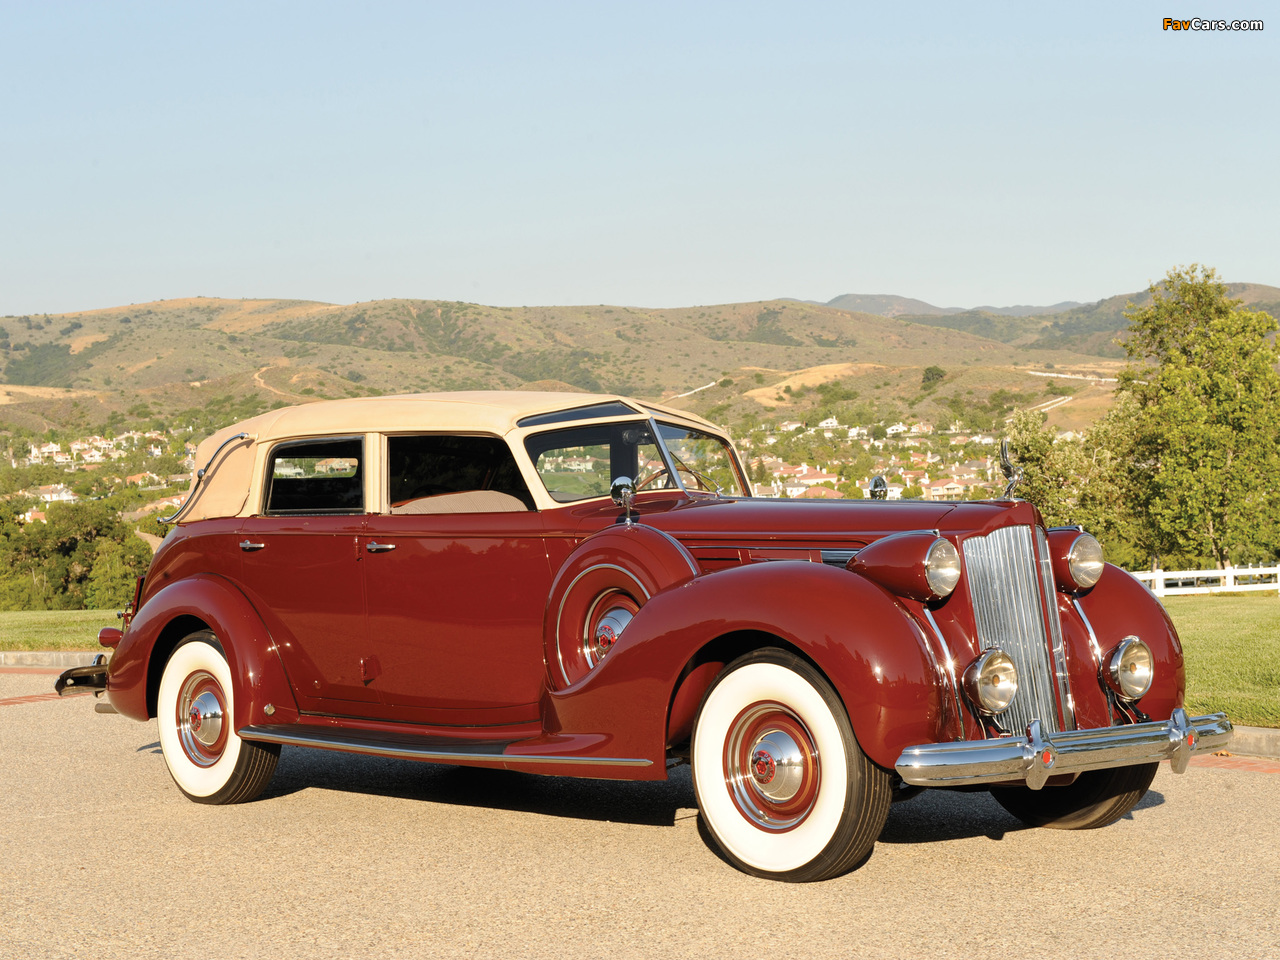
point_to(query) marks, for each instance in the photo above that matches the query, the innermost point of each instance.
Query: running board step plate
(409, 747)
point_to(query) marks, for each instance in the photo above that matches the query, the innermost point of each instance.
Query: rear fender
(864, 641)
(179, 609)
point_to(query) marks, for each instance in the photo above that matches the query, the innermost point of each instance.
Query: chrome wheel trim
(771, 767)
(607, 617)
(200, 719)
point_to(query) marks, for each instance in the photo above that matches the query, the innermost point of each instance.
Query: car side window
(581, 462)
(316, 476)
(437, 473)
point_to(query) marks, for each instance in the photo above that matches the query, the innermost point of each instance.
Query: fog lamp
(1129, 668)
(991, 681)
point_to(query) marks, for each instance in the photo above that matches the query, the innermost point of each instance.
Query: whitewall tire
(783, 789)
(194, 710)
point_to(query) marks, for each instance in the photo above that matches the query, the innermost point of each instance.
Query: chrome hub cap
(771, 767)
(201, 710)
(777, 764)
(606, 620)
(206, 718)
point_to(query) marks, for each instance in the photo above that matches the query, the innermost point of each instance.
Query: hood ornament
(1012, 472)
(879, 488)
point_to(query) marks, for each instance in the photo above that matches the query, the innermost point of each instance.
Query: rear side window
(316, 476)
(429, 466)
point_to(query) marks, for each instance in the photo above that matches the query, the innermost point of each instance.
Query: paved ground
(351, 857)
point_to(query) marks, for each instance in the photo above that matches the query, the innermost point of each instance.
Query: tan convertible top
(225, 488)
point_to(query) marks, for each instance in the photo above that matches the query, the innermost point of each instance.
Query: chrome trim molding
(404, 748)
(1096, 649)
(838, 557)
(1037, 756)
(949, 674)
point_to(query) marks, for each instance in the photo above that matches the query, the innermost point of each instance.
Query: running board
(408, 747)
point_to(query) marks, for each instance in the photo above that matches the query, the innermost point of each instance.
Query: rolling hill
(155, 361)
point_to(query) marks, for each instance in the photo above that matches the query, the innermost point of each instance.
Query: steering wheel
(650, 479)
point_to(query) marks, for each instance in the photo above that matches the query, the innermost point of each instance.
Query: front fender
(1120, 606)
(863, 639)
(257, 673)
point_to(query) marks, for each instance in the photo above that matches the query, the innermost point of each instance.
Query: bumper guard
(90, 677)
(1036, 757)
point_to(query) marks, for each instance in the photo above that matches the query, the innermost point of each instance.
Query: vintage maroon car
(580, 586)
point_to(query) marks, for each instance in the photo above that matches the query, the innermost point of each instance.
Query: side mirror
(623, 493)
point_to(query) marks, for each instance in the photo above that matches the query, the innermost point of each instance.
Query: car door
(302, 560)
(456, 580)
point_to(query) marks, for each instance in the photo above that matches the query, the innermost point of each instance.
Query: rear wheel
(1095, 799)
(205, 757)
(783, 788)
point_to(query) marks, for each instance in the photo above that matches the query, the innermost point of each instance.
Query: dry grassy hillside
(74, 370)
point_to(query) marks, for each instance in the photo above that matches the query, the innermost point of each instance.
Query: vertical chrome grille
(1006, 592)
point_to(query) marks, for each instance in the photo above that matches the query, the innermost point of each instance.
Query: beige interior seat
(468, 501)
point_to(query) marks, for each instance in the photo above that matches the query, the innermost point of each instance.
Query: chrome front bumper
(1035, 758)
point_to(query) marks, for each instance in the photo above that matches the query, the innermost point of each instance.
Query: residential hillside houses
(908, 457)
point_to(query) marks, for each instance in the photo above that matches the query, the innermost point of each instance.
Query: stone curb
(1255, 742)
(1247, 741)
(47, 658)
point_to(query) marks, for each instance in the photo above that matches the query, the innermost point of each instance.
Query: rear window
(316, 476)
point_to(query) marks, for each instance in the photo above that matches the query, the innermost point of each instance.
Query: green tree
(1206, 471)
(932, 377)
(1084, 482)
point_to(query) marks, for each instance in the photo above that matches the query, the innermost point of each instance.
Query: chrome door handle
(247, 545)
(374, 547)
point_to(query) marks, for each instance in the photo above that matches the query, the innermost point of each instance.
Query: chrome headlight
(942, 567)
(991, 681)
(1129, 669)
(918, 564)
(1084, 560)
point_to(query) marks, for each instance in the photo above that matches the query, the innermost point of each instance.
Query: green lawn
(1232, 647)
(54, 629)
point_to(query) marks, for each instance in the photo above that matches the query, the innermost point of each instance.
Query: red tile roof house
(821, 493)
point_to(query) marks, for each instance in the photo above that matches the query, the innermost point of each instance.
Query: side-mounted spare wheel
(784, 790)
(206, 759)
(600, 587)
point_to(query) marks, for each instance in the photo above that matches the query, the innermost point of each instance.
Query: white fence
(1173, 583)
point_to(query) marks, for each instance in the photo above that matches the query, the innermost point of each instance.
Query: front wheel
(784, 790)
(1094, 799)
(205, 757)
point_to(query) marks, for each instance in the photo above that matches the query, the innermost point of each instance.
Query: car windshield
(704, 462)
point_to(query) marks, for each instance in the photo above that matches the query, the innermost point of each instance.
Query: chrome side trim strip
(1038, 756)
(950, 674)
(838, 558)
(1096, 648)
(405, 749)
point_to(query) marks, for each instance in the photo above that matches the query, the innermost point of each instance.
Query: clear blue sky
(652, 154)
